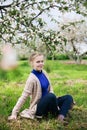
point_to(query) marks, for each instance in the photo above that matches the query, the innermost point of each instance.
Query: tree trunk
(78, 59)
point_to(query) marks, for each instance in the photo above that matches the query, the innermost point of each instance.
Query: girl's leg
(64, 103)
(47, 104)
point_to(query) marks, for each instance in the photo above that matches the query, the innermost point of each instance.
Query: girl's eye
(40, 61)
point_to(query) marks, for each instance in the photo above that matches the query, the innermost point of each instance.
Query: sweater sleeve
(27, 92)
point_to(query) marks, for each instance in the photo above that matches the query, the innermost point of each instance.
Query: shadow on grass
(3, 124)
(76, 119)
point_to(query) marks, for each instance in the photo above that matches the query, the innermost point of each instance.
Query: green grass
(65, 79)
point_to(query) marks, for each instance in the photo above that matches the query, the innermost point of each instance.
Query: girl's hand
(12, 117)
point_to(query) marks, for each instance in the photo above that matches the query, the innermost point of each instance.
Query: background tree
(75, 34)
(21, 19)
(52, 40)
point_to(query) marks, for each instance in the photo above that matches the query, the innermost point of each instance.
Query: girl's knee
(52, 96)
(69, 98)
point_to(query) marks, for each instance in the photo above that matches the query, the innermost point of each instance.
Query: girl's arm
(26, 93)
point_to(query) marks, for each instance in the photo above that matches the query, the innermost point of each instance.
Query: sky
(60, 17)
(6, 2)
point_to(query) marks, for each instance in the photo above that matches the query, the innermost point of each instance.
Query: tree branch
(51, 6)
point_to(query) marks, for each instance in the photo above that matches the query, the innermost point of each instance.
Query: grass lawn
(65, 79)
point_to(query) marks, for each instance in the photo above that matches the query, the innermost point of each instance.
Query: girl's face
(38, 63)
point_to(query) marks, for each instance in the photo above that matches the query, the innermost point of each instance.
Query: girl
(43, 100)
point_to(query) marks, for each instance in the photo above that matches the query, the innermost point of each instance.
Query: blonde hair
(34, 55)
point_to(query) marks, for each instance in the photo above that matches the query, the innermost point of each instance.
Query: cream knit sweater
(32, 89)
